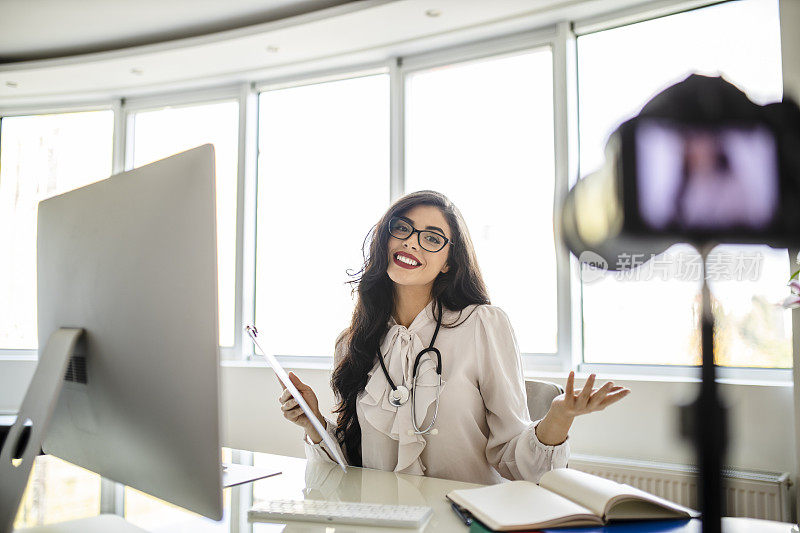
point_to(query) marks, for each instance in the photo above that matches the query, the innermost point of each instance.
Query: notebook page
(592, 492)
(640, 504)
(519, 505)
(641, 510)
(599, 495)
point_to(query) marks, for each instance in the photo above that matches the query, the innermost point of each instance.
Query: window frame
(749, 375)
(59, 108)
(238, 93)
(560, 37)
(551, 37)
(359, 70)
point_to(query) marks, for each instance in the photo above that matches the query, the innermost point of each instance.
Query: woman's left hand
(589, 399)
(554, 427)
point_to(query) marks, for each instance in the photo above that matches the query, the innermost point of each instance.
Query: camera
(701, 163)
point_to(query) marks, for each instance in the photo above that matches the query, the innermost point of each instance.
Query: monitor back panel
(132, 260)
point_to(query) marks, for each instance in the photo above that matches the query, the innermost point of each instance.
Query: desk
(318, 480)
(301, 479)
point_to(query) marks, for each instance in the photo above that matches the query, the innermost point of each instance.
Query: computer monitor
(128, 332)
(132, 261)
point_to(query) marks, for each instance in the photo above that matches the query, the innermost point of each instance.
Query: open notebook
(564, 497)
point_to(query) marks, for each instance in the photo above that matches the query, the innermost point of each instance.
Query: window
(480, 129)
(618, 71)
(323, 181)
(482, 134)
(58, 491)
(164, 132)
(40, 156)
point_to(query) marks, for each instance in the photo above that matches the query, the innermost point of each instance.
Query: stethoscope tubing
(394, 392)
(414, 404)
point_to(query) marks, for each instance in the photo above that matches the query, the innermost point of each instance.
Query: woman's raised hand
(554, 427)
(589, 399)
(294, 413)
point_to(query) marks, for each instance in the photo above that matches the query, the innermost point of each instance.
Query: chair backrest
(540, 396)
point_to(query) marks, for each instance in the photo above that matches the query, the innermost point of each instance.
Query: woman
(711, 193)
(420, 288)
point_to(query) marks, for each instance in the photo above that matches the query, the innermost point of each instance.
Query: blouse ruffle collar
(399, 348)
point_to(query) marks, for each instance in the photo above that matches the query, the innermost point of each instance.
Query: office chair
(540, 396)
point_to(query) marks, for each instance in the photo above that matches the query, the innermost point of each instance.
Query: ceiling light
(137, 71)
(272, 48)
(12, 84)
(433, 13)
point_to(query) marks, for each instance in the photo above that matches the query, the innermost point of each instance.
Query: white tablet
(284, 378)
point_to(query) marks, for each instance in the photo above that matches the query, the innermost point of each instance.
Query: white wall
(642, 426)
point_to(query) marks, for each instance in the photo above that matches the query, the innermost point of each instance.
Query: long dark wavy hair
(460, 286)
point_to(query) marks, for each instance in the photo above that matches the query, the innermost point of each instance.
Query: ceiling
(42, 29)
(60, 53)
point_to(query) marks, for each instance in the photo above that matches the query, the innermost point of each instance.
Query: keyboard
(331, 512)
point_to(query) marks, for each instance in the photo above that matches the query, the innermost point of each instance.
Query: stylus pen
(462, 513)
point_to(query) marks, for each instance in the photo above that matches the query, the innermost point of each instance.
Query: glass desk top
(302, 479)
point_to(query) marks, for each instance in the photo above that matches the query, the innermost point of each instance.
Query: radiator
(747, 493)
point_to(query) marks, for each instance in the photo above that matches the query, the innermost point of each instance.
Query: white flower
(793, 301)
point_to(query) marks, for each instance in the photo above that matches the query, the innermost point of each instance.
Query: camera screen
(706, 179)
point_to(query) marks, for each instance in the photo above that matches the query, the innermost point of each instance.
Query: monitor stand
(16, 456)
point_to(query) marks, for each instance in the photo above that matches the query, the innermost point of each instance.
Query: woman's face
(428, 264)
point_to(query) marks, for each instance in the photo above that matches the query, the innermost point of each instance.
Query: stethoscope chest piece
(399, 396)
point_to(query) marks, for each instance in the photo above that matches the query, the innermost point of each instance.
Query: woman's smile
(406, 260)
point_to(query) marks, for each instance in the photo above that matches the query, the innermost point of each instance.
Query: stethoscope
(399, 395)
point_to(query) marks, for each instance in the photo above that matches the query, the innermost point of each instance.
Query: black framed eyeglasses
(432, 241)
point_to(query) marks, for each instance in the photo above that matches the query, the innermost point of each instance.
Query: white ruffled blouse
(485, 433)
